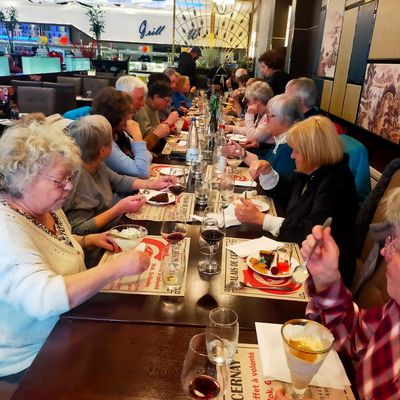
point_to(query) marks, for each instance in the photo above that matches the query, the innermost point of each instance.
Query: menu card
(149, 281)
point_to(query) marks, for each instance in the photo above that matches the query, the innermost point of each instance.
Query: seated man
(306, 91)
(153, 130)
(369, 337)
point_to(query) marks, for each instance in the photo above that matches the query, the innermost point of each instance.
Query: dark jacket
(310, 199)
(278, 80)
(187, 66)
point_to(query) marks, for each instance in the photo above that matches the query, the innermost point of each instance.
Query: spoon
(237, 285)
(300, 273)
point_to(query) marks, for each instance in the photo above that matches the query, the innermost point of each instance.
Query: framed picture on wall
(379, 109)
(330, 38)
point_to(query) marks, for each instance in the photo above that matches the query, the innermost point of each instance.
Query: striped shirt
(370, 337)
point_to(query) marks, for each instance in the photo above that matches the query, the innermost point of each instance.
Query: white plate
(268, 274)
(261, 205)
(236, 137)
(148, 196)
(172, 171)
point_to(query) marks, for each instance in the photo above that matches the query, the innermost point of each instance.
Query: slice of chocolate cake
(160, 198)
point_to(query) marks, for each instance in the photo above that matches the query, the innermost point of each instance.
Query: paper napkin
(245, 183)
(274, 364)
(243, 249)
(230, 218)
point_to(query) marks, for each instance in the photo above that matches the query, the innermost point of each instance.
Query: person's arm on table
(81, 286)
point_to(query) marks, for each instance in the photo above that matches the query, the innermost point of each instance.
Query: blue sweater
(280, 160)
(176, 102)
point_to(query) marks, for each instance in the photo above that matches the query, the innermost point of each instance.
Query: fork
(237, 285)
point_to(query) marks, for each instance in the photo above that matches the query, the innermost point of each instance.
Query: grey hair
(240, 71)
(259, 90)
(286, 108)
(169, 72)
(392, 208)
(91, 133)
(306, 89)
(25, 150)
(128, 84)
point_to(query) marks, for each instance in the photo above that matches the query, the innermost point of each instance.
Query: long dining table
(132, 346)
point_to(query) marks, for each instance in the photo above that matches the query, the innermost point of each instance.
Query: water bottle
(192, 152)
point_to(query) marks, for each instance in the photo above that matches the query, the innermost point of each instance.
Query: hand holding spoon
(300, 273)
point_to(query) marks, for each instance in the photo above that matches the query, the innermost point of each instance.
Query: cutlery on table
(300, 273)
(237, 285)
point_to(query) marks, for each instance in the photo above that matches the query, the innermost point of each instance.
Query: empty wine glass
(306, 343)
(212, 231)
(202, 379)
(222, 324)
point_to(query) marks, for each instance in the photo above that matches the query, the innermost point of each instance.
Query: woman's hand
(228, 128)
(132, 263)
(252, 144)
(259, 167)
(246, 211)
(323, 264)
(172, 118)
(102, 241)
(133, 130)
(131, 204)
(162, 130)
(162, 182)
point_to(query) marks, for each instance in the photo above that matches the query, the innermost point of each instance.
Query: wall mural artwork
(331, 38)
(379, 110)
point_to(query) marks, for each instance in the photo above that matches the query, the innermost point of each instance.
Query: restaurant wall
(122, 24)
(357, 68)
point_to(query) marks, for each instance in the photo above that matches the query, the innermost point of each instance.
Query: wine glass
(201, 379)
(212, 231)
(173, 229)
(223, 324)
(180, 184)
(234, 158)
(306, 343)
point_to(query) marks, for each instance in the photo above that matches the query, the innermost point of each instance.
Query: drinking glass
(235, 158)
(226, 189)
(284, 258)
(222, 324)
(201, 192)
(173, 269)
(306, 343)
(201, 379)
(180, 185)
(173, 231)
(212, 231)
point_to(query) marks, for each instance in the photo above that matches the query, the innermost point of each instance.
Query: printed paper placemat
(149, 281)
(246, 380)
(149, 212)
(235, 268)
(155, 168)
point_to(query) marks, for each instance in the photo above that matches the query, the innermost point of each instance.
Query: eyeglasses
(269, 115)
(392, 245)
(167, 99)
(61, 183)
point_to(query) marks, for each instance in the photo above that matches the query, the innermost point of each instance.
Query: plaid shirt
(369, 337)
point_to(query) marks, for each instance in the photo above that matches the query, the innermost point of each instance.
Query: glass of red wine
(173, 229)
(212, 231)
(180, 184)
(202, 379)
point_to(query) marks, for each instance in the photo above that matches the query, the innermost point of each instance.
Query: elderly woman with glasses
(258, 95)
(322, 187)
(154, 131)
(94, 203)
(368, 337)
(42, 264)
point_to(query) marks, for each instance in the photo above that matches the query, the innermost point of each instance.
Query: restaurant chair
(359, 166)
(372, 291)
(77, 82)
(17, 83)
(36, 99)
(94, 85)
(65, 96)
